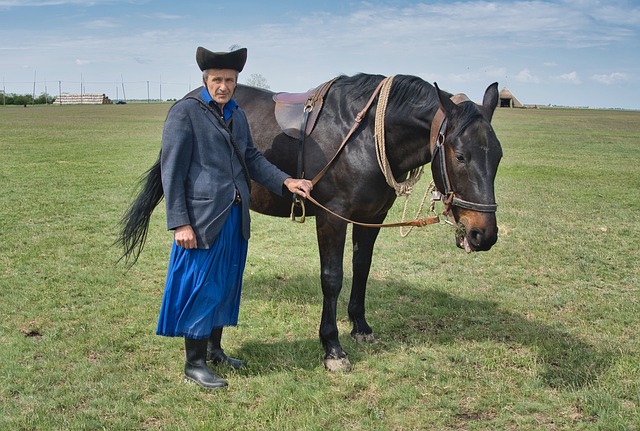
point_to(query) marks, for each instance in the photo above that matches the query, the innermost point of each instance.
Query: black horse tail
(135, 221)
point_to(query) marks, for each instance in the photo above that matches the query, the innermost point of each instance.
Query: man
(206, 161)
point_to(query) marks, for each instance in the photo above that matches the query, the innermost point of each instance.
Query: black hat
(221, 60)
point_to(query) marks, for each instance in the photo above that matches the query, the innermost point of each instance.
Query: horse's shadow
(436, 317)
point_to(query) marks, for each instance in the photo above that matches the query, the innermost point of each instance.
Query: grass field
(540, 333)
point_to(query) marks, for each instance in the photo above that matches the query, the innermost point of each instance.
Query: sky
(583, 53)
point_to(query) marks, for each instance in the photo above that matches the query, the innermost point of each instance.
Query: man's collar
(229, 107)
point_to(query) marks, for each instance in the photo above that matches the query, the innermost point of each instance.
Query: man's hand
(299, 187)
(185, 236)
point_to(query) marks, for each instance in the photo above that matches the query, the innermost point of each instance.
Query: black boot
(216, 355)
(196, 369)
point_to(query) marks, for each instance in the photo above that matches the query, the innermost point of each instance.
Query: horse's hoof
(364, 338)
(337, 365)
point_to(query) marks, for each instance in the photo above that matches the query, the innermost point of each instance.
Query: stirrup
(298, 202)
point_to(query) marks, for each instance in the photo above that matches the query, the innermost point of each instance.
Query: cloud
(440, 28)
(38, 3)
(101, 24)
(569, 78)
(526, 76)
(611, 78)
(617, 14)
(479, 75)
(80, 62)
(164, 16)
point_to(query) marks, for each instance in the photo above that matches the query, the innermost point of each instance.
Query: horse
(420, 124)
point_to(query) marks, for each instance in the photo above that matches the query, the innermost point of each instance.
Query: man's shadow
(427, 316)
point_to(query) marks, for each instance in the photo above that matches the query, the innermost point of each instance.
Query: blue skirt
(203, 287)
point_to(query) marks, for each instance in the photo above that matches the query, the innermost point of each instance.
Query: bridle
(448, 195)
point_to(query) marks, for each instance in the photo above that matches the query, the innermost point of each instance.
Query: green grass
(540, 333)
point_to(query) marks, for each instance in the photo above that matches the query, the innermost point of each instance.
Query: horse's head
(465, 154)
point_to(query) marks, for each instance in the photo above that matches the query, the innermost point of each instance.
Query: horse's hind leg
(331, 239)
(364, 239)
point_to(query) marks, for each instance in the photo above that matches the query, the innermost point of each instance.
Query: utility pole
(33, 97)
(124, 95)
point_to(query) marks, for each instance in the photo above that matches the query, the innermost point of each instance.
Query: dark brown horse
(464, 154)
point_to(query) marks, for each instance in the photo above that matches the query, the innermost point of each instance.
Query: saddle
(295, 111)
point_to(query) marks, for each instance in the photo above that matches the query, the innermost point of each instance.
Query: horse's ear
(490, 100)
(445, 101)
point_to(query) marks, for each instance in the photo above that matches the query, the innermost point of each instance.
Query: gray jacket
(201, 173)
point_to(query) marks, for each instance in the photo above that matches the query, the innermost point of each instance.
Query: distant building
(82, 99)
(508, 100)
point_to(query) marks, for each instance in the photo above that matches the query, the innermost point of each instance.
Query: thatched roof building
(508, 100)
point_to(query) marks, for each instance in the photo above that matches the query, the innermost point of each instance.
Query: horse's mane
(360, 85)
(408, 93)
(408, 89)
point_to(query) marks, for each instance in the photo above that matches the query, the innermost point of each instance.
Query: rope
(430, 188)
(404, 188)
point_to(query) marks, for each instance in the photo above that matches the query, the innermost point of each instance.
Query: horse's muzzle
(477, 233)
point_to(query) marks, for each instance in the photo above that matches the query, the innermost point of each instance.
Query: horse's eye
(460, 158)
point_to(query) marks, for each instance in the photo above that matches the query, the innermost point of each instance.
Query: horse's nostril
(476, 236)
(481, 240)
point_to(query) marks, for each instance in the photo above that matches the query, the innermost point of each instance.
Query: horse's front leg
(364, 238)
(331, 239)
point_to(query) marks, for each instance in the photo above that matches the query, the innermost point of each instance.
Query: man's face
(221, 84)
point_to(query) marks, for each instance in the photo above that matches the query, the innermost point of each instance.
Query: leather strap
(424, 221)
(355, 126)
(316, 98)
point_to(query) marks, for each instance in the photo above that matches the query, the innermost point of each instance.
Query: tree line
(26, 99)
